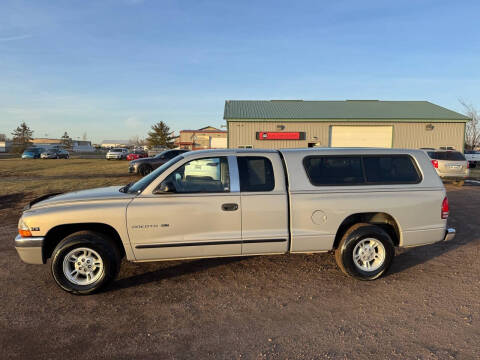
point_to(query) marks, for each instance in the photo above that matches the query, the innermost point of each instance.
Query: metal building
(350, 123)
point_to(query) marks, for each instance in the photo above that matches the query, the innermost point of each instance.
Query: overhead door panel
(361, 136)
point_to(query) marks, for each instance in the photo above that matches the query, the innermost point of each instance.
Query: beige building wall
(201, 139)
(411, 135)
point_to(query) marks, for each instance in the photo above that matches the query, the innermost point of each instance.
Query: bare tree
(472, 129)
(137, 141)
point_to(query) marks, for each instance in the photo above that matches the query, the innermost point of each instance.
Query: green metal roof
(345, 110)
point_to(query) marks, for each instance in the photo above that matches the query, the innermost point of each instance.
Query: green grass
(38, 177)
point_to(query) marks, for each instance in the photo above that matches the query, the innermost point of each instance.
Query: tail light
(435, 164)
(445, 208)
(468, 165)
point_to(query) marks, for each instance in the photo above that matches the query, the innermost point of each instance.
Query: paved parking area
(298, 306)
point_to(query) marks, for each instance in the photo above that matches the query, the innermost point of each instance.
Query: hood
(105, 193)
(140, 160)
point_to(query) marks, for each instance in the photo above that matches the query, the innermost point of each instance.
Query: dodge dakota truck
(357, 203)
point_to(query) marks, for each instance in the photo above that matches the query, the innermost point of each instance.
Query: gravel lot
(298, 306)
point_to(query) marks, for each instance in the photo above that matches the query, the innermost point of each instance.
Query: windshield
(161, 154)
(116, 150)
(145, 181)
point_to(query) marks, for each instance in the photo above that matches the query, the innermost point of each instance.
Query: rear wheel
(84, 262)
(145, 169)
(365, 252)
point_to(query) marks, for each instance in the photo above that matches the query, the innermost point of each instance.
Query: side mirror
(165, 187)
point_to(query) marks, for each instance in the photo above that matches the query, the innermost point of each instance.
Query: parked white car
(117, 154)
(473, 157)
(359, 203)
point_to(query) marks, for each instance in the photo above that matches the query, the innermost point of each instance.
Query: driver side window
(209, 175)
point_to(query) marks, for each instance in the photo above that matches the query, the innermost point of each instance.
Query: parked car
(147, 165)
(359, 203)
(156, 150)
(137, 154)
(32, 153)
(473, 158)
(55, 153)
(117, 154)
(450, 165)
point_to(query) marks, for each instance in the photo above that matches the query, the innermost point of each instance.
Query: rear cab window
(446, 155)
(256, 174)
(331, 170)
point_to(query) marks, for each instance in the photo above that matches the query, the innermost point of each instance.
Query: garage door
(361, 136)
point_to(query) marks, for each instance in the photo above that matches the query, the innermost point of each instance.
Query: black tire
(99, 243)
(145, 169)
(345, 252)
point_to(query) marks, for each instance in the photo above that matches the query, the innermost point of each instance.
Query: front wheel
(365, 252)
(145, 169)
(84, 262)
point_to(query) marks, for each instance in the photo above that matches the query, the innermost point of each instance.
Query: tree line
(159, 135)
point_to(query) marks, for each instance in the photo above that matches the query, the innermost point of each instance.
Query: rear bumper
(30, 249)
(458, 175)
(450, 234)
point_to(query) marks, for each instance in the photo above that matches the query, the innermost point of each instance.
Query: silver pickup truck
(358, 203)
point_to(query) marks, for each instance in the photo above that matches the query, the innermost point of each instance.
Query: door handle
(229, 207)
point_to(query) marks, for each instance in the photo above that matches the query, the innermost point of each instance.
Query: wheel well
(58, 233)
(383, 220)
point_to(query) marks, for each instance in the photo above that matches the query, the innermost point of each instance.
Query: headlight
(23, 229)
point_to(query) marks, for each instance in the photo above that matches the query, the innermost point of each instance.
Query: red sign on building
(269, 135)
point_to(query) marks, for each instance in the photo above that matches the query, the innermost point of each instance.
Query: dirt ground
(277, 307)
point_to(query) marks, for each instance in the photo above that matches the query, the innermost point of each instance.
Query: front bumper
(30, 249)
(450, 234)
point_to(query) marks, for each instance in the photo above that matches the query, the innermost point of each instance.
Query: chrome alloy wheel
(83, 266)
(369, 254)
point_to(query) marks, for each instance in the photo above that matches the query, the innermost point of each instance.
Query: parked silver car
(55, 153)
(450, 165)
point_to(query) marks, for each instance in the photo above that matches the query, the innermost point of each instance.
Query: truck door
(201, 217)
(264, 204)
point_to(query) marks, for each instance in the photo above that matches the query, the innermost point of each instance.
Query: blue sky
(112, 68)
